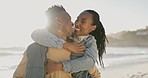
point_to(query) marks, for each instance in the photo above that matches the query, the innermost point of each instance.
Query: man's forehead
(65, 13)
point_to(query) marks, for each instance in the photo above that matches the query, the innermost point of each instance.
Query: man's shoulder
(35, 46)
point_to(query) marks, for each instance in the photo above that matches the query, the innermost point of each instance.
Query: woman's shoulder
(91, 37)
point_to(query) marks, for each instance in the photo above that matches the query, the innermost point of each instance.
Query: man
(36, 55)
(33, 62)
(43, 37)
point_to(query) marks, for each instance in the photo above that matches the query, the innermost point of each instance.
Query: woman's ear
(94, 27)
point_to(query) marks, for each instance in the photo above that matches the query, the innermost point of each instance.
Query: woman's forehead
(84, 15)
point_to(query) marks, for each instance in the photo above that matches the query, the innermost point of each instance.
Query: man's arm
(95, 72)
(20, 70)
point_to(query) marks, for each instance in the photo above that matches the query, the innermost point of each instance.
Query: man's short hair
(54, 11)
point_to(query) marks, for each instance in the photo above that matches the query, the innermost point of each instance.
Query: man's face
(66, 24)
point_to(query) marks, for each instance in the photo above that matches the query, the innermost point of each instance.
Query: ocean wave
(4, 68)
(8, 54)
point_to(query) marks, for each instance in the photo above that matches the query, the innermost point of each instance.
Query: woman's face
(83, 24)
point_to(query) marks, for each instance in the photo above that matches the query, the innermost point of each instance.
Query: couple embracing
(65, 49)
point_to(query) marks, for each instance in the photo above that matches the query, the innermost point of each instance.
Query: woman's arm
(45, 38)
(86, 62)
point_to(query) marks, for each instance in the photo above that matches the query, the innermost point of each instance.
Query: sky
(18, 18)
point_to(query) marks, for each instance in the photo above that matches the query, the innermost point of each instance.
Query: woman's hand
(52, 66)
(74, 47)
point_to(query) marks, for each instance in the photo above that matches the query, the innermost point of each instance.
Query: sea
(9, 59)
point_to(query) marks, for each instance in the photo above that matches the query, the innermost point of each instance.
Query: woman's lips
(77, 29)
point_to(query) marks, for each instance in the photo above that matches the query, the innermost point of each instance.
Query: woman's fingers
(50, 61)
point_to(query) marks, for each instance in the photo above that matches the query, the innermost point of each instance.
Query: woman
(87, 26)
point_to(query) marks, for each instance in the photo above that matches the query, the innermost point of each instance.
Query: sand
(131, 70)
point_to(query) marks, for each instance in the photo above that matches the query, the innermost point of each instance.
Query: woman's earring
(92, 29)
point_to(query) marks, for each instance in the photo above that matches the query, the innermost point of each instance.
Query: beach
(131, 70)
(123, 71)
(119, 62)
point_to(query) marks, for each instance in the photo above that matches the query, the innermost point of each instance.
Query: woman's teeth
(77, 29)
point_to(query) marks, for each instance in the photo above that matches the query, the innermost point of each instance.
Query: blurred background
(125, 22)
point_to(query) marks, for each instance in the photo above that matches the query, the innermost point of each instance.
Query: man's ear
(58, 20)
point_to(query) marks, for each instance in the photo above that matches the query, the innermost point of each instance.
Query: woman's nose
(77, 25)
(77, 22)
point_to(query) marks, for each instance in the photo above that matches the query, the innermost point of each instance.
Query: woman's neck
(82, 37)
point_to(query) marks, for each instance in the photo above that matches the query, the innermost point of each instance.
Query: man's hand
(74, 47)
(53, 66)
